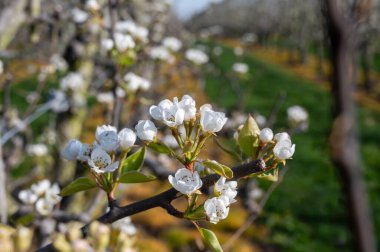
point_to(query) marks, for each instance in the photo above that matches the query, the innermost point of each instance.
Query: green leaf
(134, 162)
(136, 177)
(196, 214)
(78, 185)
(210, 239)
(160, 148)
(220, 169)
(248, 138)
(270, 176)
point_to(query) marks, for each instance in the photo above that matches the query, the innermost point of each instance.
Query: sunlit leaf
(220, 169)
(134, 162)
(210, 239)
(248, 138)
(78, 185)
(160, 148)
(136, 177)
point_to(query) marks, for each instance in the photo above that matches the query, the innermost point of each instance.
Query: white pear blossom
(146, 130)
(196, 56)
(72, 81)
(101, 162)
(138, 32)
(169, 140)
(135, 82)
(261, 120)
(72, 150)
(211, 121)
(123, 42)
(266, 135)
(105, 97)
(59, 102)
(79, 16)
(284, 149)
(281, 136)
(127, 138)
(27, 197)
(228, 189)
(125, 225)
(37, 150)
(187, 103)
(240, 68)
(103, 128)
(58, 62)
(217, 208)
(172, 43)
(170, 113)
(109, 141)
(161, 53)
(107, 44)
(185, 182)
(44, 207)
(92, 5)
(297, 114)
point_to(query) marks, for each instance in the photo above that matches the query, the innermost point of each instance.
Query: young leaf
(220, 169)
(78, 185)
(248, 138)
(196, 214)
(160, 148)
(134, 162)
(135, 177)
(270, 176)
(210, 239)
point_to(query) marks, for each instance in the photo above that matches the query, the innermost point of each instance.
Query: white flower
(105, 97)
(266, 135)
(123, 42)
(228, 189)
(170, 141)
(284, 149)
(211, 121)
(127, 138)
(38, 150)
(240, 68)
(172, 43)
(196, 56)
(261, 120)
(217, 50)
(185, 182)
(27, 196)
(161, 53)
(59, 102)
(188, 105)
(101, 162)
(92, 5)
(136, 31)
(217, 208)
(125, 225)
(72, 81)
(136, 82)
(41, 187)
(79, 16)
(44, 206)
(109, 141)
(58, 62)
(52, 194)
(106, 44)
(72, 150)
(281, 136)
(146, 130)
(297, 114)
(170, 113)
(103, 128)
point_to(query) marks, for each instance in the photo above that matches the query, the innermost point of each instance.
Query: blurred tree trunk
(11, 19)
(344, 143)
(366, 57)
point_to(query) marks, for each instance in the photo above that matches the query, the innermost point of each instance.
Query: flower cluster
(135, 82)
(217, 208)
(281, 143)
(42, 195)
(240, 68)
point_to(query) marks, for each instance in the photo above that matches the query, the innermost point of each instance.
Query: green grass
(307, 212)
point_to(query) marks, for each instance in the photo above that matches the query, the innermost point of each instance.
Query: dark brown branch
(165, 198)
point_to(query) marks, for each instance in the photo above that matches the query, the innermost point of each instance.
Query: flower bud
(266, 135)
(146, 130)
(127, 138)
(72, 150)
